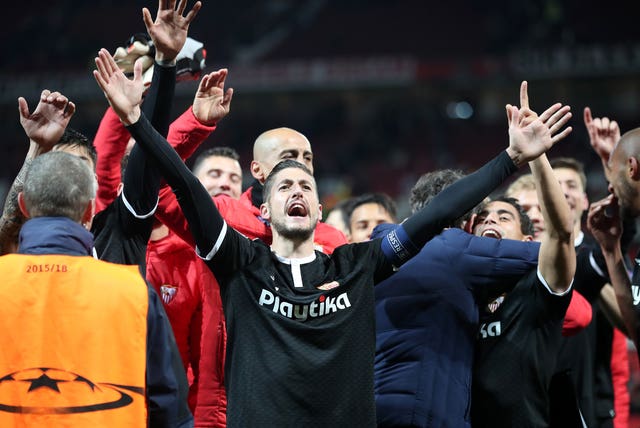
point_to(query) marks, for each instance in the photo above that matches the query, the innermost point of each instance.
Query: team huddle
(139, 292)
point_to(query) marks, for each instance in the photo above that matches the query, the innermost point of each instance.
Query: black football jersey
(516, 354)
(301, 334)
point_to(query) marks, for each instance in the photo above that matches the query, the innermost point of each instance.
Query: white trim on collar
(295, 267)
(300, 261)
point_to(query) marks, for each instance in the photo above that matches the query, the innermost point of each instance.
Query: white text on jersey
(491, 329)
(301, 312)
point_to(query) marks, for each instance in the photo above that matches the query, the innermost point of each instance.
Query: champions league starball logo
(48, 391)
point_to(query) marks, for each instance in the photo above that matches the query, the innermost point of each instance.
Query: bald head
(624, 175)
(276, 145)
(628, 146)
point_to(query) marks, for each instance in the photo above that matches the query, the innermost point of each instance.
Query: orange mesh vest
(72, 342)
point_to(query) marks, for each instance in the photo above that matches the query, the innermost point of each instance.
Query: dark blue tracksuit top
(427, 322)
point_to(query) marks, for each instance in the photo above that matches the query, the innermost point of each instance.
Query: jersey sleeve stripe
(133, 211)
(546, 285)
(216, 246)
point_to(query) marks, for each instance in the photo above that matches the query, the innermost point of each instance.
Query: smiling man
(218, 169)
(520, 332)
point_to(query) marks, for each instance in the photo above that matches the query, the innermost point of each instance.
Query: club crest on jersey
(168, 293)
(493, 306)
(323, 306)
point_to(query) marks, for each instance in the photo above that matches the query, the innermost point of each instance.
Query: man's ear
(89, 212)
(264, 211)
(634, 168)
(468, 225)
(256, 171)
(119, 188)
(23, 206)
(527, 238)
(319, 212)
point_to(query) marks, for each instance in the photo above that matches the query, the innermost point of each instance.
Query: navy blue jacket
(427, 323)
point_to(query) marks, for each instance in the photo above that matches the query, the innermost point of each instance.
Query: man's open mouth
(297, 209)
(491, 233)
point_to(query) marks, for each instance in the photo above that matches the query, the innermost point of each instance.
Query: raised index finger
(524, 96)
(588, 119)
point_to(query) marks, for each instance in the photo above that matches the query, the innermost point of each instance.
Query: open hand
(531, 135)
(211, 102)
(124, 95)
(48, 121)
(169, 30)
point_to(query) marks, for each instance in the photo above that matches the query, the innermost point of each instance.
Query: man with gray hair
(59, 364)
(72, 196)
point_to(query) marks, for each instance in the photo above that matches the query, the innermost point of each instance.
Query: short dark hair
(573, 164)
(225, 152)
(429, 185)
(526, 226)
(287, 163)
(73, 138)
(381, 199)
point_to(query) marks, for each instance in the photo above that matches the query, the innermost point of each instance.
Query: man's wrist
(202, 122)
(611, 250)
(132, 117)
(163, 61)
(516, 157)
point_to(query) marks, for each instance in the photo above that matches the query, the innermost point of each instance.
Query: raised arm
(205, 221)
(111, 143)
(210, 105)
(557, 258)
(168, 33)
(43, 127)
(454, 201)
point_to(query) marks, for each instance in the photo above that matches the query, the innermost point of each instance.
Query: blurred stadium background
(385, 90)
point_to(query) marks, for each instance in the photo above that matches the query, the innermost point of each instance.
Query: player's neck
(292, 249)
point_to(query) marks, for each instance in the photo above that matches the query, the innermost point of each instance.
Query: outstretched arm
(211, 104)
(557, 259)
(111, 143)
(606, 227)
(526, 142)
(205, 221)
(168, 33)
(44, 127)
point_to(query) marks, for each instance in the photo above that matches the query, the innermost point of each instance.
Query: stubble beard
(293, 233)
(626, 197)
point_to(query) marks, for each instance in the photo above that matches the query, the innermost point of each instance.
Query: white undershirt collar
(295, 267)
